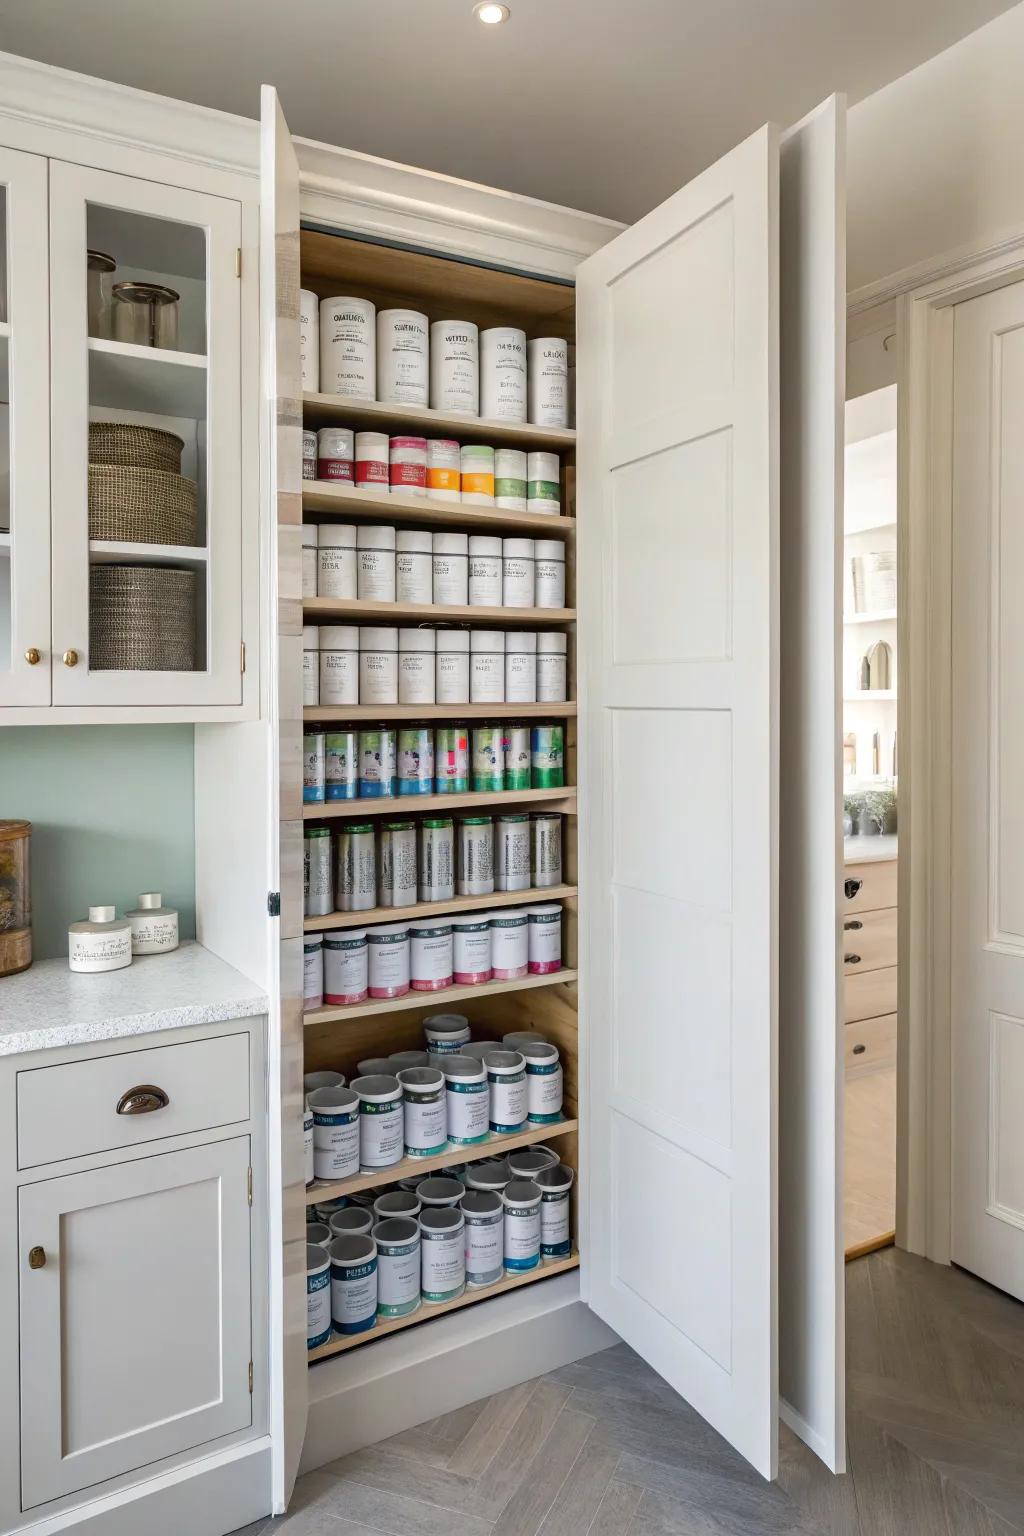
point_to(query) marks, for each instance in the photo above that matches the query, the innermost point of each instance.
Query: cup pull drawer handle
(142, 1100)
(852, 923)
(852, 887)
(851, 959)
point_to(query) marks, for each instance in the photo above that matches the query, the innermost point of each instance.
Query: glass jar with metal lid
(146, 314)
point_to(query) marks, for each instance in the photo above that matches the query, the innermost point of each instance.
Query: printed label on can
(484, 1249)
(522, 1237)
(443, 1259)
(336, 1144)
(318, 1308)
(354, 1296)
(398, 1278)
(508, 1100)
(554, 1224)
(381, 1133)
(468, 1107)
(426, 1119)
(544, 1092)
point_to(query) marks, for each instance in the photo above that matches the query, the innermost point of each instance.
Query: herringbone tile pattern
(604, 1448)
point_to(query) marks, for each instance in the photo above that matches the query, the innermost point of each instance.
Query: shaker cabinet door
(134, 1315)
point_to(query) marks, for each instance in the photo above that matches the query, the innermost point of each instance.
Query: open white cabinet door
(678, 423)
(282, 477)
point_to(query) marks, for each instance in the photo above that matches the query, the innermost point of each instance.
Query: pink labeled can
(335, 454)
(345, 967)
(409, 465)
(544, 938)
(471, 949)
(388, 957)
(510, 943)
(372, 460)
(430, 956)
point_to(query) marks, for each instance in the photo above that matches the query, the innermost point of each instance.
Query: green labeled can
(547, 757)
(488, 758)
(451, 760)
(517, 757)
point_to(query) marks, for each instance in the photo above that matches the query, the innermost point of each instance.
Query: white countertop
(871, 850)
(49, 1005)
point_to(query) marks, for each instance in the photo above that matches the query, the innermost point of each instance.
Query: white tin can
(487, 666)
(522, 1201)
(520, 667)
(446, 1033)
(430, 956)
(455, 366)
(506, 1082)
(375, 564)
(408, 466)
(339, 665)
(510, 943)
(399, 1202)
(503, 373)
(397, 886)
(353, 1283)
(510, 479)
(310, 539)
(475, 856)
(416, 666)
(310, 664)
(381, 1121)
(373, 462)
(389, 959)
(477, 463)
(451, 569)
(468, 1100)
(483, 1215)
(545, 849)
(526, 1162)
(442, 1254)
(549, 573)
(452, 678)
(545, 938)
(335, 1133)
(543, 1082)
(414, 574)
(491, 1175)
(309, 340)
(356, 875)
(346, 976)
(471, 948)
(309, 455)
(543, 483)
(378, 664)
(348, 349)
(311, 1081)
(312, 970)
(444, 469)
(517, 573)
(101, 942)
(484, 570)
(307, 1143)
(403, 348)
(425, 1111)
(398, 1266)
(437, 858)
(512, 853)
(440, 1190)
(352, 1221)
(154, 926)
(318, 1296)
(547, 361)
(318, 876)
(552, 651)
(336, 454)
(555, 1185)
(336, 560)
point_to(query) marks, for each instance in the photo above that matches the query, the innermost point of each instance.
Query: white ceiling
(606, 105)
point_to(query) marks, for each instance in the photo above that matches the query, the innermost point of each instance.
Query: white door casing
(678, 413)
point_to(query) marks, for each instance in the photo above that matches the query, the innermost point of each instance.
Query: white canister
(492, 1175)
(477, 463)
(309, 455)
(506, 1083)
(373, 462)
(522, 1201)
(398, 1202)
(487, 666)
(512, 853)
(388, 960)
(353, 1221)
(471, 948)
(341, 763)
(414, 573)
(452, 677)
(348, 350)
(555, 1231)
(520, 666)
(378, 664)
(430, 956)
(467, 1100)
(353, 1282)
(545, 938)
(527, 1162)
(310, 539)
(510, 479)
(416, 666)
(318, 876)
(484, 570)
(336, 454)
(381, 1123)
(310, 664)
(455, 366)
(444, 469)
(398, 1266)
(335, 1133)
(545, 849)
(317, 1232)
(549, 573)
(483, 1214)
(436, 858)
(409, 466)
(474, 856)
(547, 362)
(346, 973)
(510, 943)
(439, 1191)
(318, 1296)
(309, 340)
(446, 1033)
(311, 1081)
(102, 942)
(312, 970)
(339, 664)
(543, 1082)
(425, 1111)
(375, 564)
(503, 373)
(451, 569)
(517, 573)
(154, 926)
(336, 560)
(398, 883)
(442, 1253)
(374, 1066)
(543, 483)
(552, 650)
(403, 350)
(307, 1143)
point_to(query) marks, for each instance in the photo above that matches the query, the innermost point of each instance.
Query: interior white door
(678, 413)
(987, 824)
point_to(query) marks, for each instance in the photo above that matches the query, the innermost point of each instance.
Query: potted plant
(880, 809)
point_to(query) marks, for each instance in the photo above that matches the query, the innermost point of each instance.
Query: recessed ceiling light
(489, 12)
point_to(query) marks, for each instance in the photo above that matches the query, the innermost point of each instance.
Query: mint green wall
(112, 813)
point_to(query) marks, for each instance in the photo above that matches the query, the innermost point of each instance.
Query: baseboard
(394, 1383)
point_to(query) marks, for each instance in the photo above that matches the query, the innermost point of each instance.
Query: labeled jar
(416, 759)
(545, 849)
(451, 760)
(471, 949)
(543, 483)
(552, 650)
(510, 479)
(414, 571)
(547, 366)
(446, 1033)
(512, 853)
(488, 759)
(517, 755)
(455, 367)
(314, 783)
(388, 960)
(503, 373)
(336, 454)
(346, 977)
(483, 1215)
(545, 938)
(318, 1296)
(416, 666)
(510, 943)
(451, 569)
(517, 573)
(430, 956)
(425, 1111)
(467, 1099)
(309, 455)
(335, 1133)
(397, 885)
(452, 678)
(442, 1254)
(378, 763)
(444, 469)
(484, 570)
(101, 942)
(506, 1083)
(520, 667)
(477, 464)
(336, 560)
(310, 664)
(318, 878)
(378, 664)
(475, 859)
(341, 765)
(398, 1267)
(547, 756)
(487, 666)
(309, 341)
(339, 663)
(375, 564)
(310, 537)
(555, 1185)
(549, 573)
(348, 348)
(437, 858)
(408, 466)
(312, 970)
(353, 1283)
(373, 461)
(381, 1121)
(522, 1201)
(356, 877)
(543, 1082)
(403, 347)
(154, 926)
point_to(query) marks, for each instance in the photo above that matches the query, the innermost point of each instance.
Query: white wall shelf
(147, 379)
(114, 552)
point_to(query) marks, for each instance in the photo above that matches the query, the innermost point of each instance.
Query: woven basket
(142, 618)
(130, 447)
(141, 506)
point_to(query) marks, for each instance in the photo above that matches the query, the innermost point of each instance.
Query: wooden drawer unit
(868, 887)
(107, 1102)
(870, 995)
(870, 1044)
(869, 941)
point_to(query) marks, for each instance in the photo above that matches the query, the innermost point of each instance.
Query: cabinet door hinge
(248, 1183)
(250, 1378)
(242, 658)
(238, 261)
(273, 903)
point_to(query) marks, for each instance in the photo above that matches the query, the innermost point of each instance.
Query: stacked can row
(395, 762)
(438, 468)
(345, 664)
(375, 563)
(398, 356)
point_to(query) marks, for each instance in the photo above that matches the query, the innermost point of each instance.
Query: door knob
(32, 656)
(36, 1258)
(851, 959)
(70, 658)
(851, 888)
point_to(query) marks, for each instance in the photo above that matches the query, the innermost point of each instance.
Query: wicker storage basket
(141, 506)
(142, 618)
(131, 447)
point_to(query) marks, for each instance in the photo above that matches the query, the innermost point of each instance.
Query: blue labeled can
(416, 760)
(341, 767)
(353, 1261)
(378, 763)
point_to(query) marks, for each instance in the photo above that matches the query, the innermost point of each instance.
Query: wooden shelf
(323, 714)
(563, 800)
(114, 552)
(376, 915)
(147, 379)
(883, 616)
(457, 994)
(383, 1178)
(376, 415)
(342, 501)
(353, 610)
(338, 1343)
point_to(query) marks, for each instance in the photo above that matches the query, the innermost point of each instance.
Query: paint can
(310, 665)
(313, 769)
(488, 758)
(467, 1100)
(492, 1175)
(471, 949)
(430, 956)
(402, 1060)
(517, 1038)
(408, 465)
(307, 1143)
(425, 1111)
(352, 1221)
(510, 943)
(317, 1233)
(506, 1082)
(416, 666)
(403, 345)
(397, 883)
(378, 664)
(415, 760)
(375, 563)
(478, 1049)
(503, 373)
(545, 849)
(336, 454)
(518, 580)
(445, 1033)
(475, 862)
(452, 679)
(309, 341)
(547, 363)
(336, 561)
(309, 464)
(444, 469)
(340, 767)
(397, 1202)
(318, 1296)
(520, 667)
(355, 881)
(442, 1254)
(372, 462)
(547, 756)
(552, 674)
(455, 367)
(312, 970)
(314, 1080)
(437, 858)
(517, 756)
(543, 483)
(335, 1133)
(325, 1209)
(353, 1283)
(318, 886)
(451, 569)
(555, 1234)
(348, 349)
(512, 853)
(543, 1083)
(345, 967)
(510, 479)
(522, 1200)
(549, 573)
(339, 664)
(477, 465)
(378, 763)
(484, 1217)
(545, 938)
(381, 1121)
(487, 666)
(388, 960)
(414, 570)
(398, 1266)
(440, 1190)
(451, 757)
(484, 570)
(374, 1066)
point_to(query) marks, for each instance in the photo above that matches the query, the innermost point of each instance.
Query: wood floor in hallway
(604, 1448)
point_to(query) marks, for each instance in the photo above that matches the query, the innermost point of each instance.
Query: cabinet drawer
(873, 886)
(71, 1110)
(870, 1044)
(870, 995)
(869, 941)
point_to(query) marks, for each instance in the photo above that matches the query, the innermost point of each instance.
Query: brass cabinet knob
(32, 656)
(70, 658)
(36, 1258)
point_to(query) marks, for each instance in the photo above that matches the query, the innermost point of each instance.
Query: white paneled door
(988, 772)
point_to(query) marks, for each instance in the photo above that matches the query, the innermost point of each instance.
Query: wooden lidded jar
(15, 902)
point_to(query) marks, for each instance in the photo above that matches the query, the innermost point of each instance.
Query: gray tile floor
(604, 1448)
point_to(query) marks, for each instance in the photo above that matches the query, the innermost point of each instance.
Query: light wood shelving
(381, 416)
(423, 909)
(333, 1014)
(562, 800)
(317, 714)
(348, 610)
(336, 499)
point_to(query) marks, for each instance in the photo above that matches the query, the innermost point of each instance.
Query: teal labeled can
(517, 757)
(313, 768)
(451, 760)
(378, 763)
(488, 758)
(415, 760)
(341, 767)
(547, 757)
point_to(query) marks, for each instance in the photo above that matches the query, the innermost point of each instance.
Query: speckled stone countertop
(872, 850)
(48, 1005)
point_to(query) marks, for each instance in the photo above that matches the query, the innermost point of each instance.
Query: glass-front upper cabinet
(146, 482)
(24, 433)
